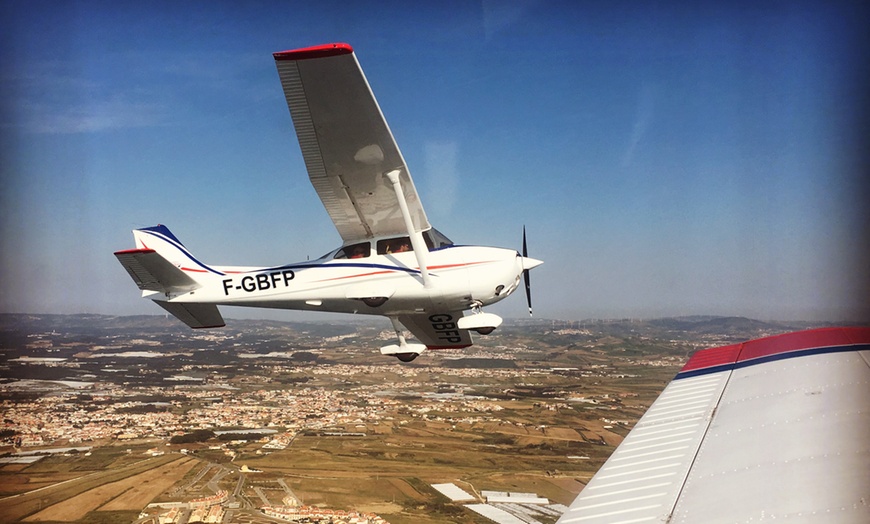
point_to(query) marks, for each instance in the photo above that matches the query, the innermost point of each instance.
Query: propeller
(526, 280)
(527, 264)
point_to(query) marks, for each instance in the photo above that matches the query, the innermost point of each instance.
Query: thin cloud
(90, 116)
(440, 159)
(641, 123)
(50, 101)
(500, 15)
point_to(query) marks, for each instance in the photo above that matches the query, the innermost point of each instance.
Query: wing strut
(416, 237)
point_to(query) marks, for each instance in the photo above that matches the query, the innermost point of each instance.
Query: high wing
(772, 429)
(346, 143)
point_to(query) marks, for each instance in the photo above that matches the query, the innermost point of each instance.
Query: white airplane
(776, 429)
(392, 262)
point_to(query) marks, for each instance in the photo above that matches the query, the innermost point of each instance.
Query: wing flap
(152, 272)
(772, 428)
(346, 142)
(643, 477)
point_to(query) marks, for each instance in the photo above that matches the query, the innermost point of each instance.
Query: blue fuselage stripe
(178, 245)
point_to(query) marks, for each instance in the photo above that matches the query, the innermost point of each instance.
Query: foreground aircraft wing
(346, 143)
(775, 429)
(438, 330)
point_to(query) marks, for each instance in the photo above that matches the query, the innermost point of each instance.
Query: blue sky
(666, 160)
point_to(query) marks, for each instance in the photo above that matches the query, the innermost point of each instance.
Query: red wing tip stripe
(814, 338)
(713, 357)
(133, 251)
(318, 51)
(787, 345)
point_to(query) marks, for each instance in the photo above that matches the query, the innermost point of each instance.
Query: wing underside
(776, 428)
(196, 316)
(346, 142)
(438, 330)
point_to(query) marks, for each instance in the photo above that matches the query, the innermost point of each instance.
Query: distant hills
(703, 324)
(153, 350)
(84, 328)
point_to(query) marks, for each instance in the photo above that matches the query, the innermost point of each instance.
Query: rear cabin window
(394, 245)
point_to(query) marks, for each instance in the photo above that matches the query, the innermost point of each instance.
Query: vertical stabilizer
(161, 265)
(160, 239)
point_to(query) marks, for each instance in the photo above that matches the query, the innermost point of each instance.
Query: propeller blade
(526, 278)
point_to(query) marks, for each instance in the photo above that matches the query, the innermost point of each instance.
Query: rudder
(161, 264)
(161, 240)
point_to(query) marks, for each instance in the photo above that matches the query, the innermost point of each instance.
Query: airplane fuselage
(464, 277)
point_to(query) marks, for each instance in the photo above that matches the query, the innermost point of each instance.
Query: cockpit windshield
(435, 239)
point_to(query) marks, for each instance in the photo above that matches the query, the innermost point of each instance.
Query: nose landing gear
(483, 323)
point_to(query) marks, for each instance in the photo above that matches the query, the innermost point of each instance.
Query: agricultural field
(535, 407)
(57, 496)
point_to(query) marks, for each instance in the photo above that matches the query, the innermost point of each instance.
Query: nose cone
(530, 263)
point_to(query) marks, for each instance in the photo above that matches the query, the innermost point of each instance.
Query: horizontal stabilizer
(194, 315)
(152, 272)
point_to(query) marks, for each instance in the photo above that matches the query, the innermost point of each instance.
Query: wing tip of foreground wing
(775, 347)
(318, 51)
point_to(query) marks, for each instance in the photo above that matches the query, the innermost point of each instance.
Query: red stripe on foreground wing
(777, 345)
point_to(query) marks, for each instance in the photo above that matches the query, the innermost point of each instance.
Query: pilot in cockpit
(360, 250)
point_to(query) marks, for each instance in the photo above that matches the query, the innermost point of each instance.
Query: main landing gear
(403, 351)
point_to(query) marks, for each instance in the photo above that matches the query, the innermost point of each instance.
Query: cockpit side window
(394, 245)
(361, 250)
